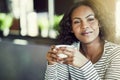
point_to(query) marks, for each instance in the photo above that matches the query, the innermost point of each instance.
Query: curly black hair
(65, 27)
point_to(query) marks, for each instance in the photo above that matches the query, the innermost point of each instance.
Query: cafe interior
(29, 27)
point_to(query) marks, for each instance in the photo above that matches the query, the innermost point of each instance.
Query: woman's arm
(57, 72)
(51, 72)
(86, 72)
(80, 67)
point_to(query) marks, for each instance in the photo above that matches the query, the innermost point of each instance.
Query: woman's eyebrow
(76, 18)
(89, 15)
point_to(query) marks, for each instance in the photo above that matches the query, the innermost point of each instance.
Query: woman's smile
(86, 33)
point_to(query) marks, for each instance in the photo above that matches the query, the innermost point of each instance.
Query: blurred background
(29, 27)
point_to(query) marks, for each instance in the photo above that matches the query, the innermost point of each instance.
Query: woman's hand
(75, 57)
(52, 56)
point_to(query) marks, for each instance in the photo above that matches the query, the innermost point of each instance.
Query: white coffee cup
(61, 55)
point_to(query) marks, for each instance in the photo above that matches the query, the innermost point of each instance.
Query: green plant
(57, 19)
(5, 21)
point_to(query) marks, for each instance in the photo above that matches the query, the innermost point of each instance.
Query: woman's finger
(68, 60)
(68, 53)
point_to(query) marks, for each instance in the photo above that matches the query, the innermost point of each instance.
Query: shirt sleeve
(57, 72)
(65, 72)
(113, 70)
(86, 72)
(51, 73)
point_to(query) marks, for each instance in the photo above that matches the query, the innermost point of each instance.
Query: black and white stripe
(107, 68)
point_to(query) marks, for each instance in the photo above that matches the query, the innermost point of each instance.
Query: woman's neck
(93, 51)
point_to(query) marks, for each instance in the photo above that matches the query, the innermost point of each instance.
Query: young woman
(94, 59)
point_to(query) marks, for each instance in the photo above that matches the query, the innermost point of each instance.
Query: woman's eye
(75, 22)
(91, 19)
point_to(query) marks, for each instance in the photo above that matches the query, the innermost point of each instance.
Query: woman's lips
(86, 33)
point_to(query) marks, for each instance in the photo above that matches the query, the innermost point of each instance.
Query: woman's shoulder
(111, 44)
(108, 45)
(111, 50)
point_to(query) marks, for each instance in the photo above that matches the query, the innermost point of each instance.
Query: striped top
(107, 68)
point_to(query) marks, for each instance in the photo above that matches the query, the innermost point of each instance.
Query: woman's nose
(84, 25)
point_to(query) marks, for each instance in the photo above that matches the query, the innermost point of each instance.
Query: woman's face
(84, 24)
